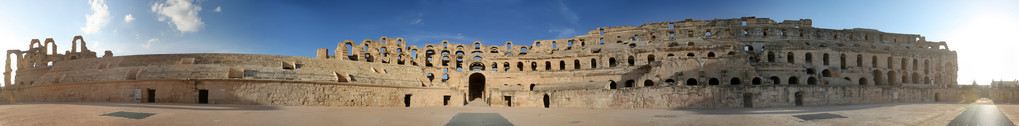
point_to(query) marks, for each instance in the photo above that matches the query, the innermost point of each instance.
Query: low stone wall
(679, 97)
(251, 92)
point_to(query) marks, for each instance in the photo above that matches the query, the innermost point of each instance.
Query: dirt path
(75, 113)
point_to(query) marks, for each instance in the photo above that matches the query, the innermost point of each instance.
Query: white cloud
(418, 19)
(148, 44)
(218, 9)
(128, 18)
(99, 17)
(181, 13)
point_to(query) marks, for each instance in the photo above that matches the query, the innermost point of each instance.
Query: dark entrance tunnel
(477, 86)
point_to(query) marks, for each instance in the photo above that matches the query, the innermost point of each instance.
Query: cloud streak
(148, 44)
(183, 14)
(567, 13)
(100, 17)
(128, 18)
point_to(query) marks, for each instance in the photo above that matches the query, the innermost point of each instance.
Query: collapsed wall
(720, 63)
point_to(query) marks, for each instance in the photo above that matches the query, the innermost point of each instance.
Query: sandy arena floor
(77, 113)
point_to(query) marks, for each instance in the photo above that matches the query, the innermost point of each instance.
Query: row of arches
(903, 64)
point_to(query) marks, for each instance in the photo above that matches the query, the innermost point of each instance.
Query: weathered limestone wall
(678, 97)
(254, 92)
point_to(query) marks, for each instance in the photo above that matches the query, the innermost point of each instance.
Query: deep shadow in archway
(477, 86)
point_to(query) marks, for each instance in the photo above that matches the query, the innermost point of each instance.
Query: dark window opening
(445, 100)
(406, 100)
(509, 100)
(648, 83)
(713, 81)
(629, 83)
(203, 96)
(691, 81)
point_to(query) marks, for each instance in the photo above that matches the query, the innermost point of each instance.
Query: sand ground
(88, 113)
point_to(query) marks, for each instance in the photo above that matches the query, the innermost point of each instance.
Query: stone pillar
(7, 71)
(322, 53)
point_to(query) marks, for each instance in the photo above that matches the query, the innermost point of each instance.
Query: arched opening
(534, 66)
(775, 80)
(790, 57)
(734, 81)
(873, 61)
(548, 66)
(649, 83)
(670, 82)
(576, 64)
(811, 81)
(826, 73)
(630, 60)
(859, 60)
(771, 57)
(520, 66)
(594, 63)
(842, 61)
(612, 84)
(546, 100)
(650, 59)
(477, 86)
(794, 80)
(713, 81)
(691, 81)
(711, 54)
(562, 65)
(477, 66)
(808, 58)
(612, 62)
(629, 83)
(824, 59)
(799, 98)
(863, 81)
(756, 81)
(531, 87)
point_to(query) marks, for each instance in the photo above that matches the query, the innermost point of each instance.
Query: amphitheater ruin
(721, 63)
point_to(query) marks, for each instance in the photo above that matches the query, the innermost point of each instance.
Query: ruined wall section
(220, 66)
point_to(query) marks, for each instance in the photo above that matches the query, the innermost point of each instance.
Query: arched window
(842, 61)
(534, 66)
(576, 64)
(859, 60)
(734, 81)
(649, 83)
(612, 84)
(594, 63)
(562, 65)
(756, 81)
(771, 57)
(629, 83)
(790, 57)
(873, 61)
(520, 66)
(824, 58)
(612, 62)
(794, 80)
(713, 81)
(863, 81)
(711, 54)
(691, 81)
(811, 81)
(775, 80)
(548, 66)
(808, 58)
(650, 58)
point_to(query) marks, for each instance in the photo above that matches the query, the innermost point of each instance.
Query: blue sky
(978, 30)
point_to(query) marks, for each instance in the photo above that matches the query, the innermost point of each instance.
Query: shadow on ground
(210, 107)
(807, 109)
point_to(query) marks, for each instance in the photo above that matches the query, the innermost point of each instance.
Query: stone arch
(648, 83)
(691, 81)
(878, 75)
(790, 57)
(476, 86)
(775, 80)
(771, 56)
(629, 83)
(811, 81)
(916, 78)
(756, 81)
(52, 45)
(824, 59)
(594, 63)
(534, 66)
(612, 84)
(794, 80)
(477, 66)
(548, 66)
(74, 44)
(612, 62)
(826, 73)
(650, 58)
(734, 81)
(863, 81)
(713, 81)
(808, 58)
(562, 65)
(576, 64)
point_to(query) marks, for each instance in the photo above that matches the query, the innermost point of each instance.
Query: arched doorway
(799, 98)
(477, 86)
